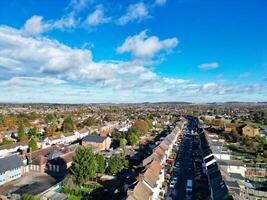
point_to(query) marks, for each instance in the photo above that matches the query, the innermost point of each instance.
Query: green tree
(50, 118)
(33, 144)
(116, 164)
(90, 121)
(101, 165)
(29, 197)
(6, 141)
(84, 165)
(132, 137)
(95, 133)
(33, 132)
(21, 133)
(68, 125)
(123, 143)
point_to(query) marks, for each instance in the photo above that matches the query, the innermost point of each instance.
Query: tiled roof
(141, 192)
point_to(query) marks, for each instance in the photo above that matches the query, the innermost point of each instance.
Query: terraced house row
(151, 180)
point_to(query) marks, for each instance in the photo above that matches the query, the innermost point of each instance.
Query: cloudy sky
(84, 51)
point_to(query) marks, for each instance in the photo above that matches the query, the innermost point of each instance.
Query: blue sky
(83, 51)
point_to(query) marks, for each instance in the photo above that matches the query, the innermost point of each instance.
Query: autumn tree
(10, 122)
(141, 126)
(50, 130)
(22, 136)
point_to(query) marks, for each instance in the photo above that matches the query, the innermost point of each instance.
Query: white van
(189, 186)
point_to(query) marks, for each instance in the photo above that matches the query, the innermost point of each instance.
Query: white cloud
(142, 46)
(43, 56)
(78, 5)
(31, 81)
(207, 87)
(97, 17)
(35, 25)
(40, 63)
(138, 11)
(173, 81)
(208, 66)
(160, 2)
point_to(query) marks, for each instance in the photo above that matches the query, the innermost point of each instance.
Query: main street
(183, 166)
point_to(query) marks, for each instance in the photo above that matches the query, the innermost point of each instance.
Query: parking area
(32, 183)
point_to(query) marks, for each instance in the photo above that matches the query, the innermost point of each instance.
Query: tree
(84, 165)
(33, 132)
(90, 121)
(6, 141)
(10, 122)
(116, 164)
(132, 137)
(101, 164)
(33, 145)
(50, 130)
(123, 143)
(50, 118)
(95, 133)
(29, 197)
(68, 125)
(21, 134)
(141, 126)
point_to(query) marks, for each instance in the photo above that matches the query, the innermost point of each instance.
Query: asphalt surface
(184, 159)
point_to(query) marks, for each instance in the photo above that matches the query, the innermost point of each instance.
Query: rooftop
(9, 163)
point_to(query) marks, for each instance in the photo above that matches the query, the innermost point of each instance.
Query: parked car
(172, 184)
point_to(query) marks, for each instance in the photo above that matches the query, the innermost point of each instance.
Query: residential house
(70, 137)
(82, 133)
(9, 149)
(59, 163)
(37, 160)
(233, 166)
(250, 130)
(141, 191)
(149, 186)
(96, 142)
(11, 168)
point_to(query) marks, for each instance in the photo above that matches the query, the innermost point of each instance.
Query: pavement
(33, 183)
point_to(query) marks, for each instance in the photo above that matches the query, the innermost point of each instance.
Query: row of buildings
(151, 179)
(54, 159)
(239, 178)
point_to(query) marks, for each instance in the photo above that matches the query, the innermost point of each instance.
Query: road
(185, 168)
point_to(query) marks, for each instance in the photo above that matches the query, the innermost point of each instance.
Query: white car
(172, 184)
(175, 179)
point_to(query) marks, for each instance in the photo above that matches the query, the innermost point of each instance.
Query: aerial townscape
(133, 151)
(133, 99)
